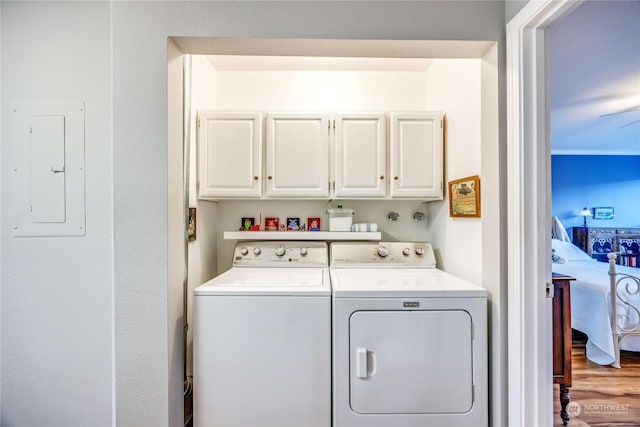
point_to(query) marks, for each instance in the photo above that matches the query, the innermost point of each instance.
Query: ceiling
(594, 67)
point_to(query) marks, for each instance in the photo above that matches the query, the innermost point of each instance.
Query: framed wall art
(192, 224)
(464, 197)
(603, 213)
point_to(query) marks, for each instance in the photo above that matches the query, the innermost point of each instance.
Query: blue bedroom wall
(591, 181)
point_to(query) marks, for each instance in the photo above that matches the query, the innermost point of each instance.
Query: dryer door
(411, 362)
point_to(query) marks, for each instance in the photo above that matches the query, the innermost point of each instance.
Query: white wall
(59, 50)
(326, 90)
(202, 251)
(493, 227)
(405, 229)
(454, 87)
(512, 7)
(57, 301)
(175, 232)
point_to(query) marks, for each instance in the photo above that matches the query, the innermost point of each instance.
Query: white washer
(262, 339)
(409, 340)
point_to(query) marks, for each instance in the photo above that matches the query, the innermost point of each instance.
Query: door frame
(529, 214)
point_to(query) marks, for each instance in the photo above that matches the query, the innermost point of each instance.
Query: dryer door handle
(361, 362)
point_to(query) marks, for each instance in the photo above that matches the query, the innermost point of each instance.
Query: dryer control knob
(257, 251)
(244, 251)
(383, 252)
(419, 251)
(303, 251)
(406, 252)
(280, 250)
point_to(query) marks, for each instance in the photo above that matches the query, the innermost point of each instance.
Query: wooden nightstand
(562, 339)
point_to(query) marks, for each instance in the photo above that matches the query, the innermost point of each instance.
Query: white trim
(528, 214)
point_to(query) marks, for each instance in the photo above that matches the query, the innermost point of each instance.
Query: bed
(591, 310)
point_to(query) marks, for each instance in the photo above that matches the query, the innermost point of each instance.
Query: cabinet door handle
(255, 178)
(395, 177)
(381, 176)
(269, 177)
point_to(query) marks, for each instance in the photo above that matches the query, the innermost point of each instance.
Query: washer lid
(384, 283)
(268, 281)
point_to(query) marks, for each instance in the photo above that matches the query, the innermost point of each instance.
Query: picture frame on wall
(192, 224)
(464, 197)
(603, 213)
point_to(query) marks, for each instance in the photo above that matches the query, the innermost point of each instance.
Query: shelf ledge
(302, 235)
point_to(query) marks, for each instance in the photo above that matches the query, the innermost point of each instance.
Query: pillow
(558, 231)
(568, 251)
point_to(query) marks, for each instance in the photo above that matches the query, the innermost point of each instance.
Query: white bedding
(590, 301)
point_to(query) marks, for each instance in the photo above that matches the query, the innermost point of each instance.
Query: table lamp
(585, 212)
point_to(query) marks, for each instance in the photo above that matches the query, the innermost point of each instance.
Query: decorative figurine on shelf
(282, 227)
(247, 223)
(293, 224)
(271, 224)
(313, 224)
(303, 227)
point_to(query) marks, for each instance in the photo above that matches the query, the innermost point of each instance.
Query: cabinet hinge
(30, 129)
(334, 125)
(440, 124)
(473, 392)
(334, 185)
(473, 332)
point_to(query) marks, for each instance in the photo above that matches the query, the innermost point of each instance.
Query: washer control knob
(303, 251)
(383, 252)
(420, 251)
(244, 250)
(406, 252)
(257, 251)
(280, 250)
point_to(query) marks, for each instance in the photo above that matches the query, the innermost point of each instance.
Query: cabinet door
(297, 155)
(360, 155)
(416, 155)
(230, 154)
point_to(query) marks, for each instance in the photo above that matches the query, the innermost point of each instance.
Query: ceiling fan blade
(628, 110)
(629, 124)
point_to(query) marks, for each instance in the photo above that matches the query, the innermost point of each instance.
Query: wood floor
(606, 396)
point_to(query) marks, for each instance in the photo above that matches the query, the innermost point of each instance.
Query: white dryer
(409, 340)
(262, 339)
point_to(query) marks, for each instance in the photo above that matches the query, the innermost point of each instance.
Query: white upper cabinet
(230, 154)
(360, 155)
(416, 150)
(303, 154)
(297, 158)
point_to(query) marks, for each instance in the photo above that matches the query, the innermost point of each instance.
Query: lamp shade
(585, 212)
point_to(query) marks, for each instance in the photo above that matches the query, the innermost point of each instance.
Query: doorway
(528, 216)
